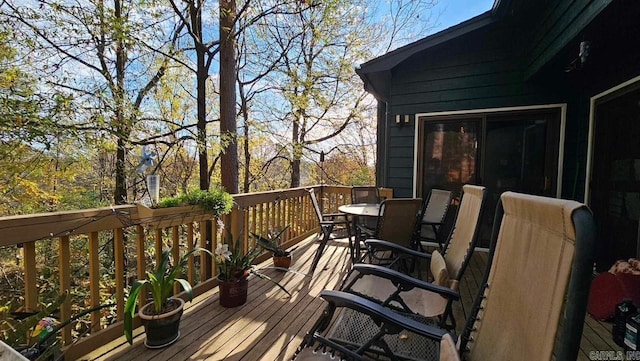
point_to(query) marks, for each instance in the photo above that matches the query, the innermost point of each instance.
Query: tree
(190, 17)
(95, 53)
(316, 95)
(228, 123)
(190, 13)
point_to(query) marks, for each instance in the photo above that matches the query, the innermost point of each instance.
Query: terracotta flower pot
(233, 294)
(164, 329)
(282, 262)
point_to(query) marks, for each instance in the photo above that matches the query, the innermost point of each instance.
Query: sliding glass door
(515, 151)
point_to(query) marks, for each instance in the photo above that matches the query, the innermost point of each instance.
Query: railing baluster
(245, 225)
(214, 244)
(94, 279)
(64, 259)
(175, 253)
(141, 261)
(260, 219)
(30, 277)
(190, 263)
(120, 275)
(290, 218)
(202, 226)
(254, 223)
(269, 224)
(158, 246)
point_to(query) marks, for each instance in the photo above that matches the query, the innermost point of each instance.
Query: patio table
(358, 210)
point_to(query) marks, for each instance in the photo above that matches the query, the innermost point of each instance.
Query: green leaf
(130, 309)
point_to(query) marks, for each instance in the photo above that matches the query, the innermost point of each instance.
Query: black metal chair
(434, 212)
(397, 222)
(531, 304)
(369, 195)
(327, 222)
(365, 194)
(413, 296)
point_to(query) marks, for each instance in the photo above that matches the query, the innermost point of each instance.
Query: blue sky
(448, 13)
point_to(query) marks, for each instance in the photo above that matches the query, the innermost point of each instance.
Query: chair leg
(447, 319)
(326, 234)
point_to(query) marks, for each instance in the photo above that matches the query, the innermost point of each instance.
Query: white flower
(223, 253)
(220, 225)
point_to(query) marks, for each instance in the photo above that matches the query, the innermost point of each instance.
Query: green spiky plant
(233, 262)
(161, 283)
(272, 243)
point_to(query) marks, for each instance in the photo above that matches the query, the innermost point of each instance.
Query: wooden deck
(271, 325)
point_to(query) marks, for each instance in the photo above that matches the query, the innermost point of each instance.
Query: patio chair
(413, 296)
(365, 194)
(531, 305)
(397, 220)
(327, 224)
(433, 213)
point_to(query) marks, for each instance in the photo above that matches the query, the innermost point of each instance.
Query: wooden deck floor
(271, 325)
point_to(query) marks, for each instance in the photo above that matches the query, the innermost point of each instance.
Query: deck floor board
(271, 325)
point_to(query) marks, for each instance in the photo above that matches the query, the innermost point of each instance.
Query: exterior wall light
(402, 119)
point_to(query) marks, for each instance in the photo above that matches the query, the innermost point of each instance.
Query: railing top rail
(32, 227)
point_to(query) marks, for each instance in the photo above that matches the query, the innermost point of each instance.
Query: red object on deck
(608, 290)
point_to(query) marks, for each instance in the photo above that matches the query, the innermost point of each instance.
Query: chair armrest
(364, 229)
(406, 281)
(334, 215)
(425, 223)
(377, 312)
(380, 244)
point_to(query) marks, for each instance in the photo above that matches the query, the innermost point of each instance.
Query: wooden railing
(136, 238)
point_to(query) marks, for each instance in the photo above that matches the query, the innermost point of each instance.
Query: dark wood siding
(560, 24)
(480, 70)
(527, 58)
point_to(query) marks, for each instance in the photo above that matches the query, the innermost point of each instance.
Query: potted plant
(161, 317)
(273, 243)
(234, 268)
(34, 335)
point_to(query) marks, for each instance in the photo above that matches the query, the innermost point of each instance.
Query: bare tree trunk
(122, 128)
(195, 11)
(228, 122)
(296, 153)
(247, 151)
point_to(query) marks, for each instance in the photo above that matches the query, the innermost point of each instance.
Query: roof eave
(391, 59)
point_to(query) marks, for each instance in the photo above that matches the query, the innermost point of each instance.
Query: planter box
(169, 217)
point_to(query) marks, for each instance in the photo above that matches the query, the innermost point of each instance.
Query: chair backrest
(316, 205)
(463, 236)
(543, 255)
(398, 219)
(368, 194)
(434, 211)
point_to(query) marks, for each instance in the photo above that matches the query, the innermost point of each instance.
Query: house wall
(518, 61)
(478, 71)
